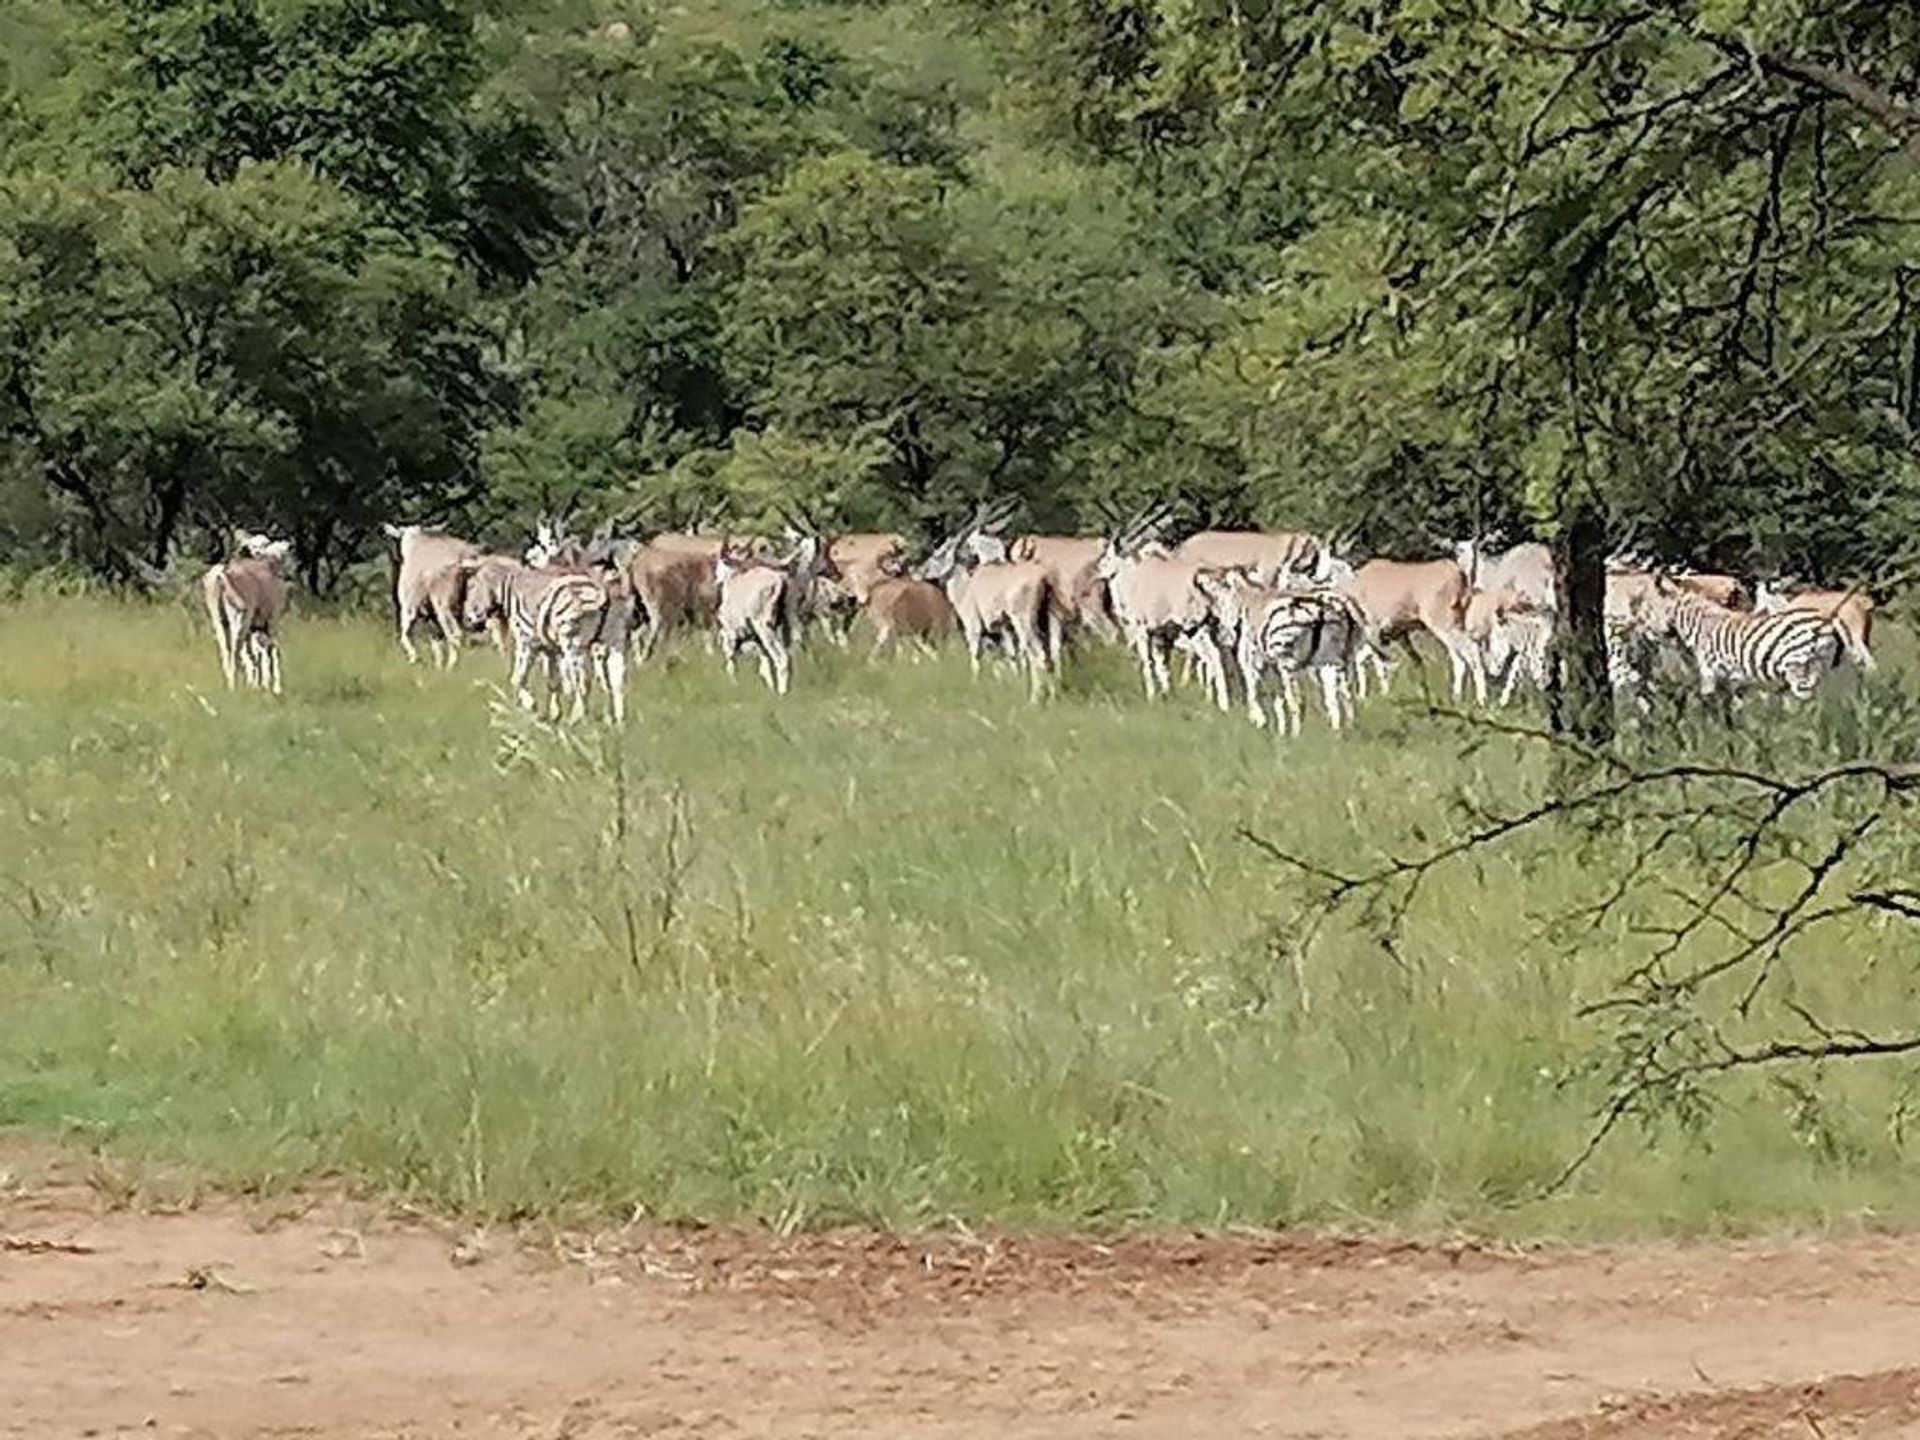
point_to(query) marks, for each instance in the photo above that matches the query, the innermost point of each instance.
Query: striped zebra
(1737, 648)
(1288, 633)
(572, 623)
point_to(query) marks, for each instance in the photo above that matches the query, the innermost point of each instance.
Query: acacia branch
(1864, 94)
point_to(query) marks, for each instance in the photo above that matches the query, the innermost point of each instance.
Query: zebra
(1289, 632)
(1735, 648)
(570, 621)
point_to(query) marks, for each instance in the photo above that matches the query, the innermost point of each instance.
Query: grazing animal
(1072, 563)
(899, 607)
(1268, 556)
(1724, 590)
(1852, 609)
(570, 622)
(1522, 575)
(1398, 597)
(1515, 640)
(431, 586)
(1158, 602)
(862, 561)
(1287, 633)
(763, 600)
(1794, 648)
(246, 599)
(674, 585)
(995, 597)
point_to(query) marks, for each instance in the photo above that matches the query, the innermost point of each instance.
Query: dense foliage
(1408, 266)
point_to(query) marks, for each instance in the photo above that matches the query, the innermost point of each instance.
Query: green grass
(900, 949)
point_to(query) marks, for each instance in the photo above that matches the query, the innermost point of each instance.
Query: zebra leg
(1330, 694)
(1289, 716)
(522, 673)
(272, 658)
(574, 683)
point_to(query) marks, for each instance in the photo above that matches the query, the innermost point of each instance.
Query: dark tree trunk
(1580, 701)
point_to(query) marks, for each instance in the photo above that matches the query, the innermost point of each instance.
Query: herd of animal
(1279, 607)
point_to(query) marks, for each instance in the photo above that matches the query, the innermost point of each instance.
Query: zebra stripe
(1319, 631)
(1786, 647)
(565, 622)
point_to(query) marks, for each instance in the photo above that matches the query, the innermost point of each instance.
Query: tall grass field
(900, 949)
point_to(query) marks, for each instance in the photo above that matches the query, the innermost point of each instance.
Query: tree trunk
(1580, 701)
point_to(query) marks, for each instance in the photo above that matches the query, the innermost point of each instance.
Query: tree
(197, 353)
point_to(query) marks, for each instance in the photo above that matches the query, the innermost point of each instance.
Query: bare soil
(332, 1318)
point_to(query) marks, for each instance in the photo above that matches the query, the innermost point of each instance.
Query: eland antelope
(1397, 597)
(1852, 610)
(763, 600)
(996, 597)
(430, 586)
(246, 599)
(1157, 603)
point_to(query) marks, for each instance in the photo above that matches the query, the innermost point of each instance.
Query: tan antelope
(1268, 556)
(762, 601)
(431, 586)
(1072, 564)
(1725, 591)
(1852, 610)
(994, 597)
(1398, 597)
(246, 600)
(569, 622)
(1157, 603)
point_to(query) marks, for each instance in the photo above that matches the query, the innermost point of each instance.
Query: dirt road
(330, 1320)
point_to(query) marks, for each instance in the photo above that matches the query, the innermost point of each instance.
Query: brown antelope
(1398, 597)
(1726, 591)
(675, 585)
(1157, 603)
(899, 607)
(994, 596)
(862, 560)
(246, 599)
(1852, 610)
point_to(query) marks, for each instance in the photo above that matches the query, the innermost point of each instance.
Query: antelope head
(259, 546)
